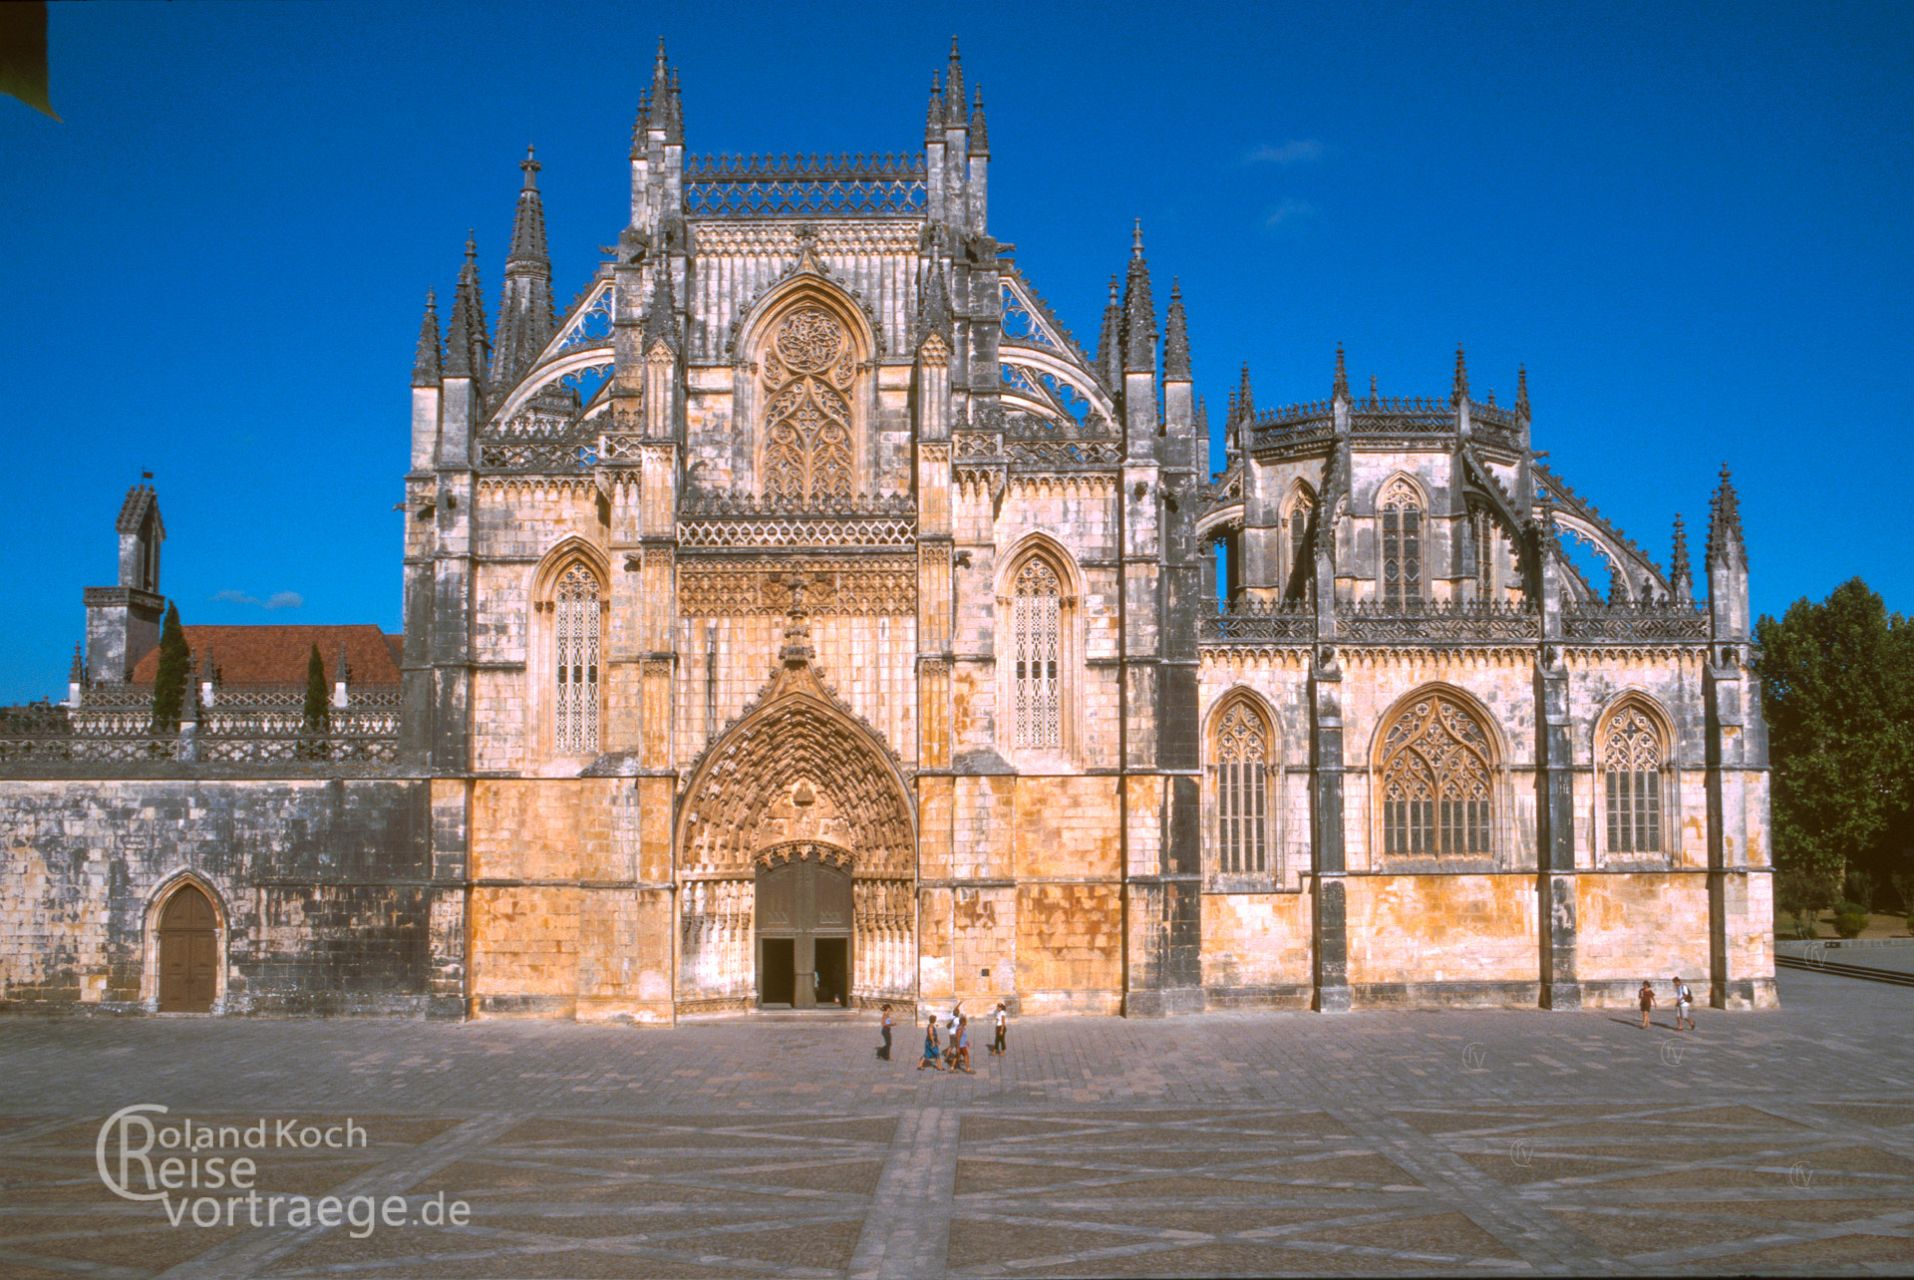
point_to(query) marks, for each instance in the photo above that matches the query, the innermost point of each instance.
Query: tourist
(1647, 997)
(1003, 1024)
(962, 1047)
(1684, 1006)
(931, 1056)
(884, 1050)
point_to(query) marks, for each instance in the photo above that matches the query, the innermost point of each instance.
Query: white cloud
(1295, 151)
(1290, 210)
(277, 600)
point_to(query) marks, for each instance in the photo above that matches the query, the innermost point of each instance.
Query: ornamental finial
(1341, 389)
(1461, 391)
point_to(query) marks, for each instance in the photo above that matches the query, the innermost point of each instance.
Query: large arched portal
(796, 839)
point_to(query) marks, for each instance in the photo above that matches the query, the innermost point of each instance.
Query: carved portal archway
(797, 773)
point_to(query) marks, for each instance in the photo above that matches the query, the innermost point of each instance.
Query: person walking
(1647, 997)
(962, 1046)
(932, 1058)
(1003, 1024)
(1684, 1006)
(884, 1050)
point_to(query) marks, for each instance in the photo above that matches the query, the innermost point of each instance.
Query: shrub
(1849, 919)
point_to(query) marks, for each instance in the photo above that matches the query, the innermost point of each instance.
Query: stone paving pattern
(1488, 1143)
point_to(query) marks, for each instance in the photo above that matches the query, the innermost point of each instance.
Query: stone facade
(804, 615)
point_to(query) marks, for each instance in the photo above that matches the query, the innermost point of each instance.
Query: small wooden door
(188, 952)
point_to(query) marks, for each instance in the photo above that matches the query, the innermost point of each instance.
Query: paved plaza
(1494, 1142)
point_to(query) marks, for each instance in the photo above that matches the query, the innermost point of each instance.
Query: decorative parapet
(1249, 621)
(785, 186)
(1631, 623)
(1312, 422)
(541, 457)
(1438, 623)
(724, 521)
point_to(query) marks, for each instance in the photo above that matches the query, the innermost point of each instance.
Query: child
(1647, 997)
(1003, 1023)
(931, 1057)
(962, 1044)
(884, 1050)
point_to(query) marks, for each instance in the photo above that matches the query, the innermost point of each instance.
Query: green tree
(318, 716)
(1838, 686)
(169, 684)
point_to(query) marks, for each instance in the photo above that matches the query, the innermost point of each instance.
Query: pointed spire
(640, 125)
(934, 116)
(1461, 391)
(665, 105)
(1176, 337)
(1245, 402)
(208, 670)
(1680, 571)
(339, 669)
(1139, 311)
(466, 344)
(1522, 391)
(1375, 401)
(76, 670)
(1724, 525)
(979, 134)
(933, 306)
(426, 365)
(954, 87)
(528, 225)
(1340, 391)
(661, 321)
(1109, 358)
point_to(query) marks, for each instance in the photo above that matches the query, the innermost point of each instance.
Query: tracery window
(1632, 758)
(1300, 508)
(1036, 626)
(1484, 531)
(1241, 773)
(575, 629)
(1437, 780)
(809, 368)
(1401, 547)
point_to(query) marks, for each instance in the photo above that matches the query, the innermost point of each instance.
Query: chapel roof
(277, 655)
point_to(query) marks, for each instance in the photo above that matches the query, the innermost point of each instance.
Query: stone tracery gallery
(804, 617)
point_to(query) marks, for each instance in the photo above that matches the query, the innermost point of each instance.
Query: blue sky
(1689, 221)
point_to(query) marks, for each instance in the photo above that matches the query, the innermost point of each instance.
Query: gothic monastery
(803, 618)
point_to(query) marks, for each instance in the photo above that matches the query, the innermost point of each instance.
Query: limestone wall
(1470, 939)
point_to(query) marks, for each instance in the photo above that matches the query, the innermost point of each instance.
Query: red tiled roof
(278, 654)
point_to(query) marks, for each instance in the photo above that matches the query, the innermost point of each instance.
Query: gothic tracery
(576, 638)
(809, 369)
(1632, 758)
(1436, 783)
(1036, 639)
(1242, 789)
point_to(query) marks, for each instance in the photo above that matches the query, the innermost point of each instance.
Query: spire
(466, 343)
(1680, 572)
(665, 107)
(640, 125)
(661, 321)
(525, 318)
(208, 671)
(1461, 391)
(1724, 525)
(979, 135)
(1375, 401)
(934, 117)
(1109, 358)
(933, 306)
(528, 226)
(1139, 311)
(1340, 391)
(954, 87)
(1176, 337)
(1245, 402)
(76, 670)
(1522, 392)
(426, 366)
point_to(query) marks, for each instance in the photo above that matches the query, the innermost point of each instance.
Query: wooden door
(188, 952)
(805, 901)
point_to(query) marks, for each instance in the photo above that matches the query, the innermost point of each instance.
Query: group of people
(1684, 1004)
(949, 1051)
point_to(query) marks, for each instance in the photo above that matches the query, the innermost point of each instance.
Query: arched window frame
(1402, 543)
(571, 557)
(1298, 509)
(156, 903)
(1658, 819)
(756, 343)
(1069, 655)
(1396, 844)
(1247, 808)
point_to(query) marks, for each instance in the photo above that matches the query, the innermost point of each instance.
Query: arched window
(809, 365)
(1484, 532)
(1036, 634)
(1632, 755)
(1241, 777)
(1302, 505)
(1401, 510)
(1437, 780)
(575, 634)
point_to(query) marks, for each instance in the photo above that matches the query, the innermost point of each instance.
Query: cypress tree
(169, 685)
(318, 717)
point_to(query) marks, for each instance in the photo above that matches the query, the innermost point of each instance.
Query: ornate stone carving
(809, 369)
(761, 587)
(1437, 780)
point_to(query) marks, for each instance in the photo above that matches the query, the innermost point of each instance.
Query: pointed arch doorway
(188, 952)
(804, 917)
